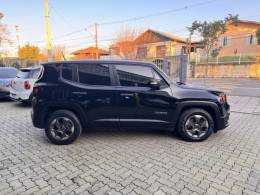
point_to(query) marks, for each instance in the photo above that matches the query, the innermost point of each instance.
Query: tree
(29, 52)
(258, 36)
(58, 53)
(4, 35)
(210, 32)
(124, 45)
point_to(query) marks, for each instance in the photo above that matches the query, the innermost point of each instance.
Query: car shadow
(3, 100)
(22, 105)
(128, 133)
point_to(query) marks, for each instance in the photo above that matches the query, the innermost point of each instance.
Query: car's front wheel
(195, 125)
(63, 127)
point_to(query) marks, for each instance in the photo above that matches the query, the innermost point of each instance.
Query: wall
(228, 70)
(237, 40)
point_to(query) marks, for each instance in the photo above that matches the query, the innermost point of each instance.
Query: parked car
(75, 95)
(22, 84)
(6, 76)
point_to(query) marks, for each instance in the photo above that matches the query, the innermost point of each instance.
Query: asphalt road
(234, 87)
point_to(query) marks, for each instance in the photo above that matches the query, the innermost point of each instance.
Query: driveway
(131, 162)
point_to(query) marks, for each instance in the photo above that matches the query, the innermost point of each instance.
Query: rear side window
(23, 74)
(94, 74)
(34, 73)
(66, 72)
(138, 76)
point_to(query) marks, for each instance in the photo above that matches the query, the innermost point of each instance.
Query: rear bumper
(21, 96)
(37, 114)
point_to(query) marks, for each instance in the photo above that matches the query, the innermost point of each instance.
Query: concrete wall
(228, 70)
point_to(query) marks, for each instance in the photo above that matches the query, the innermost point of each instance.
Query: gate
(174, 66)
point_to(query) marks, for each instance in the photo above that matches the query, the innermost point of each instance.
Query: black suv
(71, 96)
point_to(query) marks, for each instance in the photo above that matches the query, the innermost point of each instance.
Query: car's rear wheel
(63, 127)
(195, 125)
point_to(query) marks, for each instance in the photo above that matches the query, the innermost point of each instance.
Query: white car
(7, 74)
(22, 84)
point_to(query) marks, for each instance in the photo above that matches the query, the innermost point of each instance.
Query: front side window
(94, 74)
(67, 72)
(135, 76)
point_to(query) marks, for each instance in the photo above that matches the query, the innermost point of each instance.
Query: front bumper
(224, 120)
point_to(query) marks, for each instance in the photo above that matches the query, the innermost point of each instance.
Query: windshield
(7, 73)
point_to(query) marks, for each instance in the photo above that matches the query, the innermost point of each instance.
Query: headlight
(223, 98)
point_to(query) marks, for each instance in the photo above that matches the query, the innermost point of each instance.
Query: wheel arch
(77, 110)
(210, 107)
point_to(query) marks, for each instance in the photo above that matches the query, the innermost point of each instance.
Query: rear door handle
(127, 94)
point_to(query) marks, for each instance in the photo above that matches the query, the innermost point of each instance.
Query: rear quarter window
(66, 72)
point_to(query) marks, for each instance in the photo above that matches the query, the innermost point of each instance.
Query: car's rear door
(93, 90)
(138, 104)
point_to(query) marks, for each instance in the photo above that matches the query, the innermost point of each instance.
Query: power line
(136, 18)
(158, 13)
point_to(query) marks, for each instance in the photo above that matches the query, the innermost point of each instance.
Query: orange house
(239, 39)
(89, 53)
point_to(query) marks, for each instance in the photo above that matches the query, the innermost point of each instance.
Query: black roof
(121, 62)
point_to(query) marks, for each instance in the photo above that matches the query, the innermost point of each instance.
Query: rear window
(28, 73)
(7, 73)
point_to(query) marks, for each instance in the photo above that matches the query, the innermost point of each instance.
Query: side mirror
(154, 85)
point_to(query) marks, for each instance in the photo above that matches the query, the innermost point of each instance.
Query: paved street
(127, 162)
(234, 87)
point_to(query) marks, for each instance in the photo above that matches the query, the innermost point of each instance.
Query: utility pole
(96, 39)
(17, 30)
(17, 36)
(48, 30)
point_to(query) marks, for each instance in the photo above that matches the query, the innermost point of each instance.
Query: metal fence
(237, 59)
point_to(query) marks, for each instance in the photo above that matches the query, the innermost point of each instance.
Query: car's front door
(138, 104)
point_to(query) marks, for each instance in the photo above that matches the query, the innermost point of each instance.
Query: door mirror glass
(154, 85)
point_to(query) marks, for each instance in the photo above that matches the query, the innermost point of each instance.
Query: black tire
(63, 114)
(187, 114)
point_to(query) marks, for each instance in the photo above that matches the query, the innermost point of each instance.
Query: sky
(67, 16)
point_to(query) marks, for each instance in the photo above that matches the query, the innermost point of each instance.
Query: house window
(225, 42)
(141, 52)
(249, 40)
(160, 51)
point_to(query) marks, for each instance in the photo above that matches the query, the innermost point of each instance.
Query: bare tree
(124, 45)
(58, 53)
(4, 35)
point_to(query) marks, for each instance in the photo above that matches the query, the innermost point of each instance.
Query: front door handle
(79, 93)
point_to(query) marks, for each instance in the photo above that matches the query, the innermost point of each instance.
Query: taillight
(27, 85)
(36, 90)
